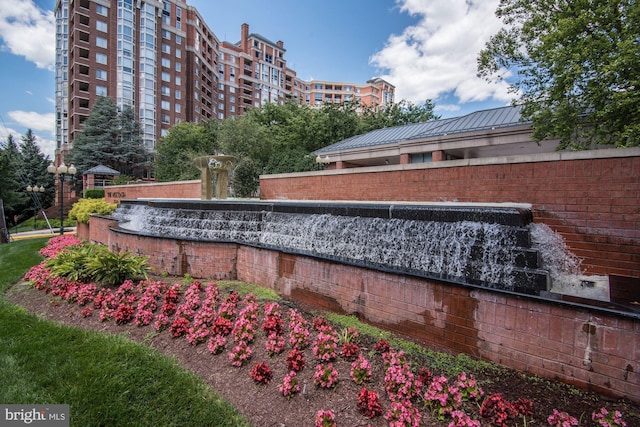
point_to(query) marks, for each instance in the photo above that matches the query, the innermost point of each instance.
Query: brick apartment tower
(161, 58)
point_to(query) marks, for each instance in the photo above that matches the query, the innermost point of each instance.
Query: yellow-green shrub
(85, 207)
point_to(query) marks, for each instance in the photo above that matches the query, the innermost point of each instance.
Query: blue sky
(426, 48)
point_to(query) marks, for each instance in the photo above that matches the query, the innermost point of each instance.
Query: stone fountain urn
(214, 168)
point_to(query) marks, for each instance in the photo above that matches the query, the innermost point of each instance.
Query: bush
(96, 263)
(85, 207)
(94, 193)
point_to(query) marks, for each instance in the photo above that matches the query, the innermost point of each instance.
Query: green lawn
(107, 380)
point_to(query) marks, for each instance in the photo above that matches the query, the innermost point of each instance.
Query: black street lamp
(61, 173)
(34, 192)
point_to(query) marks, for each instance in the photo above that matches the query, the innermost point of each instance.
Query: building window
(101, 75)
(165, 91)
(232, 108)
(178, 39)
(101, 90)
(178, 67)
(166, 62)
(101, 42)
(178, 53)
(164, 118)
(178, 94)
(166, 34)
(166, 77)
(101, 26)
(178, 81)
(166, 48)
(232, 89)
(102, 10)
(221, 96)
(101, 58)
(177, 108)
(165, 105)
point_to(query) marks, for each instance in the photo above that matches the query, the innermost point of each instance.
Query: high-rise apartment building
(161, 58)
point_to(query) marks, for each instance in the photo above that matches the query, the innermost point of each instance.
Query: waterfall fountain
(487, 246)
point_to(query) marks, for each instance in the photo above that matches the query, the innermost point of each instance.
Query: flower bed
(299, 355)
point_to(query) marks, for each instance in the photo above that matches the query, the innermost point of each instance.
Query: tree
(175, 151)
(33, 168)
(10, 197)
(396, 114)
(110, 138)
(578, 68)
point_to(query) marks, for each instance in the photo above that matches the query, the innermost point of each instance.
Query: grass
(106, 379)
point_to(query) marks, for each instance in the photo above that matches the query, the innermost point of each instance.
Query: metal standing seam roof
(101, 170)
(478, 120)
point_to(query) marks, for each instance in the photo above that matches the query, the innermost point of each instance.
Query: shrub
(85, 207)
(94, 193)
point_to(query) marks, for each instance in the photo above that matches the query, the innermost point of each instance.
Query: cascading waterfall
(472, 245)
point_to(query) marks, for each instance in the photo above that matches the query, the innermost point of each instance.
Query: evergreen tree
(33, 168)
(11, 190)
(111, 139)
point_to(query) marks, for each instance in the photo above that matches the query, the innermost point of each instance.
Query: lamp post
(34, 192)
(62, 172)
(322, 161)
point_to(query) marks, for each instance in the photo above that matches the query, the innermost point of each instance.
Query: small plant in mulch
(261, 373)
(369, 403)
(290, 387)
(295, 360)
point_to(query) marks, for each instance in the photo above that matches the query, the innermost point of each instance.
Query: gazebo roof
(101, 170)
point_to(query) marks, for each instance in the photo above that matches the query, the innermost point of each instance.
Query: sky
(426, 48)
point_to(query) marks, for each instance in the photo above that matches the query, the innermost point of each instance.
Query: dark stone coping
(509, 216)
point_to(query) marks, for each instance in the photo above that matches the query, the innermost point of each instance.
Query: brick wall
(159, 190)
(591, 197)
(547, 338)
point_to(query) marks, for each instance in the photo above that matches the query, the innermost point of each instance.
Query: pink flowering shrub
(59, 244)
(561, 419)
(273, 322)
(399, 382)
(289, 387)
(243, 330)
(403, 414)
(325, 375)
(324, 347)
(240, 354)
(217, 343)
(325, 418)
(298, 330)
(605, 418)
(361, 370)
(274, 344)
(460, 419)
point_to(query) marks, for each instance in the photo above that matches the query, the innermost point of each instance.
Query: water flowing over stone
(481, 246)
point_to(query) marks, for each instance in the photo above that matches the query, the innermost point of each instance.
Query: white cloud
(28, 31)
(42, 126)
(35, 121)
(436, 58)
(47, 146)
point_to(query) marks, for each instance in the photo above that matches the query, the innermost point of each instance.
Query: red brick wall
(547, 338)
(594, 202)
(159, 190)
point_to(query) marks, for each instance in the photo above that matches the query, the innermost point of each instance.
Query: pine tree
(109, 138)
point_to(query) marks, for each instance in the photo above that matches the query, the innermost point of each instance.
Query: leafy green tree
(396, 114)
(175, 151)
(110, 138)
(577, 66)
